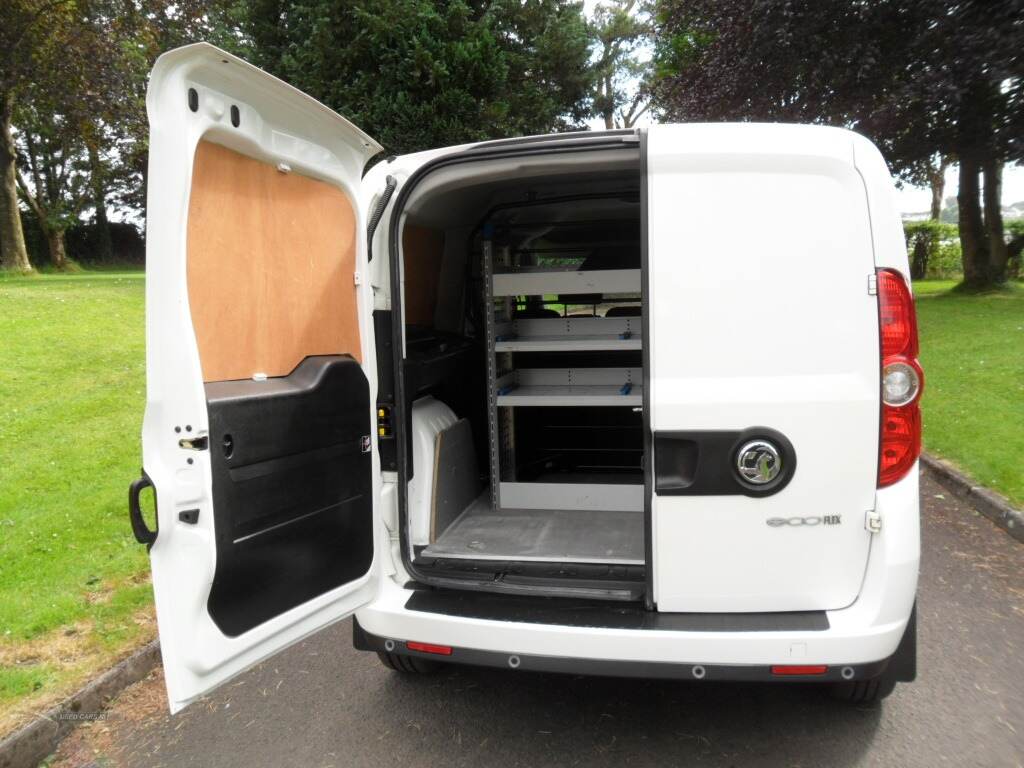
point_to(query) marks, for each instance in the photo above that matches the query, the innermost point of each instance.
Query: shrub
(82, 243)
(933, 248)
(1014, 230)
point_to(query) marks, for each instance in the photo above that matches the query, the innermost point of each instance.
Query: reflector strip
(440, 650)
(799, 669)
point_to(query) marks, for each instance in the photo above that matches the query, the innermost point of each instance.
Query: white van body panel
(760, 254)
(279, 125)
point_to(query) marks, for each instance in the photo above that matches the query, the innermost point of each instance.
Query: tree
(934, 171)
(57, 184)
(922, 78)
(148, 28)
(62, 73)
(417, 74)
(13, 253)
(621, 28)
(21, 34)
(546, 47)
(73, 128)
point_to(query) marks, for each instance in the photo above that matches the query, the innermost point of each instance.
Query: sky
(918, 199)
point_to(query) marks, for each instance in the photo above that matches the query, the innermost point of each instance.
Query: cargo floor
(569, 536)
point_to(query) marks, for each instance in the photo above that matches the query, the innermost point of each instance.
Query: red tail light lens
(897, 320)
(899, 442)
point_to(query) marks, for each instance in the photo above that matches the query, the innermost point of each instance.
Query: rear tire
(864, 691)
(409, 665)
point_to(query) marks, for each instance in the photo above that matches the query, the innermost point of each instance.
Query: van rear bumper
(365, 641)
(850, 649)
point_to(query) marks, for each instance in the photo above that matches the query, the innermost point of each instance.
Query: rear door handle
(142, 532)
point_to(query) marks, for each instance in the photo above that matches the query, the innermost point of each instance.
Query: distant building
(949, 212)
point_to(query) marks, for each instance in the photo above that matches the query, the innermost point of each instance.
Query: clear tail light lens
(899, 442)
(901, 381)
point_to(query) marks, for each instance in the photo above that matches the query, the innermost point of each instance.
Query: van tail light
(899, 442)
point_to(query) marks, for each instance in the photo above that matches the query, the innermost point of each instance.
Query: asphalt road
(323, 704)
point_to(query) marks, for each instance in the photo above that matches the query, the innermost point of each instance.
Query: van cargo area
(523, 373)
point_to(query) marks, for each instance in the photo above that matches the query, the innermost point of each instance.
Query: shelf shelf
(568, 344)
(569, 334)
(572, 387)
(537, 282)
(623, 497)
(549, 396)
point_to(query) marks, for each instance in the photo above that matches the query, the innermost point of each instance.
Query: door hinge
(194, 443)
(872, 284)
(872, 522)
(357, 279)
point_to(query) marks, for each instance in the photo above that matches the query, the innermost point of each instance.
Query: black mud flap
(903, 663)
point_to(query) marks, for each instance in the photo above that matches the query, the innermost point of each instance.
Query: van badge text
(778, 522)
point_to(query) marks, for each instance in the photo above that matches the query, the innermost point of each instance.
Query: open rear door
(258, 417)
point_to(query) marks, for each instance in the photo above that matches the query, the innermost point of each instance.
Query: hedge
(933, 248)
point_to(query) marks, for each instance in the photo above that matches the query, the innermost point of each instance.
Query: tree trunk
(104, 246)
(992, 172)
(973, 246)
(609, 104)
(937, 182)
(55, 245)
(919, 261)
(13, 253)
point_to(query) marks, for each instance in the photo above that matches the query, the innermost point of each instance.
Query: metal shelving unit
(510, 387)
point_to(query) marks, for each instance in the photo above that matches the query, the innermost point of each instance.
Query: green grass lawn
(972, 350)
(74, 591)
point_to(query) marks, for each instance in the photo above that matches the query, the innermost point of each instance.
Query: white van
(636, 403)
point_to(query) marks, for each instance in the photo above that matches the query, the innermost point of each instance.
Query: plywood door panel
(423, 250)
(271, 258)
